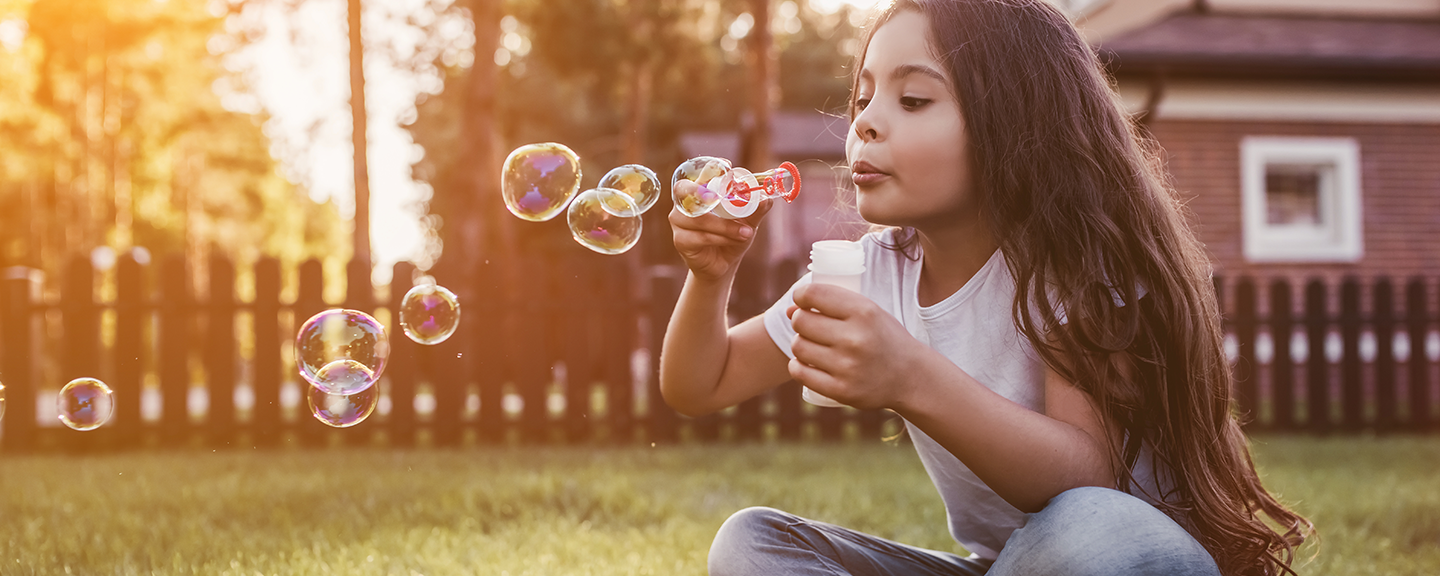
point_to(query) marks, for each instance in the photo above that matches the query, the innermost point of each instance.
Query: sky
(298, 74)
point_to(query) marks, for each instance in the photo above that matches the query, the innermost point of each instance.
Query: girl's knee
(745, 539)
(1101, 531)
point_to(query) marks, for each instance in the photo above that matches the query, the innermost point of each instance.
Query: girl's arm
(704, 365)
(1025, 457)
(850, 350)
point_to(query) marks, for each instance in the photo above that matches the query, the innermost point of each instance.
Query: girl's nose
(864, 127)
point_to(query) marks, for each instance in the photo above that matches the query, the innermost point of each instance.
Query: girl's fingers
(813, 378)
(832, 301)
(818, 355)
(694, 238)
(735, 230)
(753, 220)
(817, 327)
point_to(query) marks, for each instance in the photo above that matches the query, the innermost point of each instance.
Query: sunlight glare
(12, 33)
(833, 6)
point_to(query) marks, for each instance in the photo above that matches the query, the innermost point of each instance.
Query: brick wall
(1400, 195)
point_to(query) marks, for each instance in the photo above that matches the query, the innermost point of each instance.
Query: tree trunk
(763, 71)
(641, 74)
(481, 226)
(358, 136)
(637, 116)
(752, 283)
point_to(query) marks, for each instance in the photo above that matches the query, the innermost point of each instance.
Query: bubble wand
(703, 184)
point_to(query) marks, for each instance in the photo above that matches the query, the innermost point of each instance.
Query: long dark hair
(1079, 203)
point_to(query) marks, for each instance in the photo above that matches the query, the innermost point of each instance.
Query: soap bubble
(85, 404)
(538, 180)
(2, 401)
(604, 220)
(688, 185)
(635, 180)
(335, 335)
(344, 374)
(342, 410)
(429, 313)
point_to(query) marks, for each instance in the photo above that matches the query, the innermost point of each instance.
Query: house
(1305, 135)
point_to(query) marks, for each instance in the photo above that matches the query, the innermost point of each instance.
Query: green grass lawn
(590, 511)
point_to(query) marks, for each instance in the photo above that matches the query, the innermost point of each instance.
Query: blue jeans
(1081, 532)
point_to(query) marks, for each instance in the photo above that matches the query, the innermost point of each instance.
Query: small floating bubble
(604, 220)
(539, 180)
(429, 313)
(689, 186)
(85, 404)
(636, 181)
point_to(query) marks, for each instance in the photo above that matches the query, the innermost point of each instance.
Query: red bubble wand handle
(782, 182)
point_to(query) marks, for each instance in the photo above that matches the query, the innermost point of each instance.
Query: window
(1079, 7)
(1300, 199)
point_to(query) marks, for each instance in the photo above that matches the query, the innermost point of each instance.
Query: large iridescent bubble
(688, 186)
(604, 220)
(636, 181)
(85, 404)
(429, 313)
(539, 180)
(342, 410)
(349, 344)
(2, 402)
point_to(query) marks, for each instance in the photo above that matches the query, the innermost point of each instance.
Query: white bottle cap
(838, 257)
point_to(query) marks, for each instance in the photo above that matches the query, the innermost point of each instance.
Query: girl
(1035, 308)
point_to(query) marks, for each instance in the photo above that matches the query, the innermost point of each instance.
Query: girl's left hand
(850, 350)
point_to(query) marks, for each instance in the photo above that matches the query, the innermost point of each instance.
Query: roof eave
(1247, 67)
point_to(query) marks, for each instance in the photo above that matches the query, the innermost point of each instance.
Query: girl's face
(907, 149)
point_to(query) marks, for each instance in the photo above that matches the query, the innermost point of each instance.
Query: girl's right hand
(710, 245)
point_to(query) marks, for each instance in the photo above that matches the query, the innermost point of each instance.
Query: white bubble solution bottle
(841, 263)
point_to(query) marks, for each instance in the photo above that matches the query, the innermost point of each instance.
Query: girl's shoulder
(885, 248)
(885, 241)
(886, 234)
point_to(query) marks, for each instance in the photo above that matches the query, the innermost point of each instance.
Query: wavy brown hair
(1080, 205)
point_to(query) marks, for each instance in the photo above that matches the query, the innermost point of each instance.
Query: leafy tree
(111, 134)
(618, 81)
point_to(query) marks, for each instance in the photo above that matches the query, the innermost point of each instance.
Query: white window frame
(1339, 237)
(1078, 8)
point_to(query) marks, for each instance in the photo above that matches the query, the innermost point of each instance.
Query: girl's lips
(863, 174)
(867, 178)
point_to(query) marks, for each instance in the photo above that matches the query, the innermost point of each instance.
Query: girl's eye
(910, 103)
(861, 103)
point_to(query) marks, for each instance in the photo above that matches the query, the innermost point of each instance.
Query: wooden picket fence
(549, 352)
(1307, 367)
(566, 351)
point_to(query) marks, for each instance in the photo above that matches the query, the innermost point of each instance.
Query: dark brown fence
(552, 352)
(566, 352)
(1306, 365)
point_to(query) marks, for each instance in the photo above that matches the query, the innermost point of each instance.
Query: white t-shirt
(974, 329)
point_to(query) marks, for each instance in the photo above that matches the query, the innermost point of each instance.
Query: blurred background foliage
(112, 134)
(575, 71)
